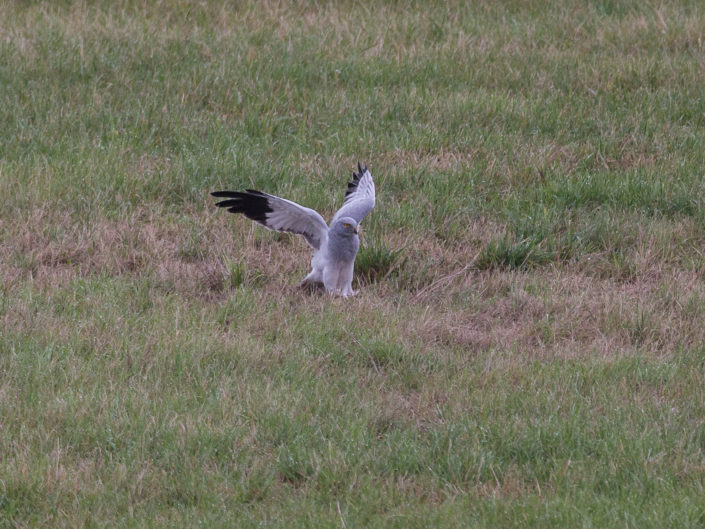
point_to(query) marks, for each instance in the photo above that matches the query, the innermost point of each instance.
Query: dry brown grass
(50, 248)
(550, 313)
(566, 311)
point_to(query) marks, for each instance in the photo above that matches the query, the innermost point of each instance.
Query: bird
(335, 245)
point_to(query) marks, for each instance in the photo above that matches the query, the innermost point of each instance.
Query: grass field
(528, 345)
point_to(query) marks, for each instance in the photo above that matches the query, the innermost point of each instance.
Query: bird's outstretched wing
(359, 197)
(276, 213)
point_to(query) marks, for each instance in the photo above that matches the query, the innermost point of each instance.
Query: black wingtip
(251, 203)
(223, 194)
(352, 186)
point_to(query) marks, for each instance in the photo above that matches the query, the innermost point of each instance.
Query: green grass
(526, 346)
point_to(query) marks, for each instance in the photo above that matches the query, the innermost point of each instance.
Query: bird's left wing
(359, 197)
(278, 214)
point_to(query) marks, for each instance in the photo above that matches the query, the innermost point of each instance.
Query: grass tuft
(506, 252)
(378, 262)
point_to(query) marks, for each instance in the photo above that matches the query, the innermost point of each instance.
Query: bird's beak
(356, 230)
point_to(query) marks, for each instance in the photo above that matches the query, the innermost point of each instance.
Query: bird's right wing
(276, 213)
(359, 197)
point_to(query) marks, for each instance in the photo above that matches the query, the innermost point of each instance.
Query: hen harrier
(335, 246)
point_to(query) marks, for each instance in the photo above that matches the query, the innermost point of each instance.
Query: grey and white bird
(335, 246)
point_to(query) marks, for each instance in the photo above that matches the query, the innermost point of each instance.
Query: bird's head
(346, 226)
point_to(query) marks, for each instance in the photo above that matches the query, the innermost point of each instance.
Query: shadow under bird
(335, 246)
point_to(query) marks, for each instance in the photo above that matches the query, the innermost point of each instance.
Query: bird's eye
(346, 225)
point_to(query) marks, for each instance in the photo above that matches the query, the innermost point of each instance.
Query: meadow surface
(527, 347)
